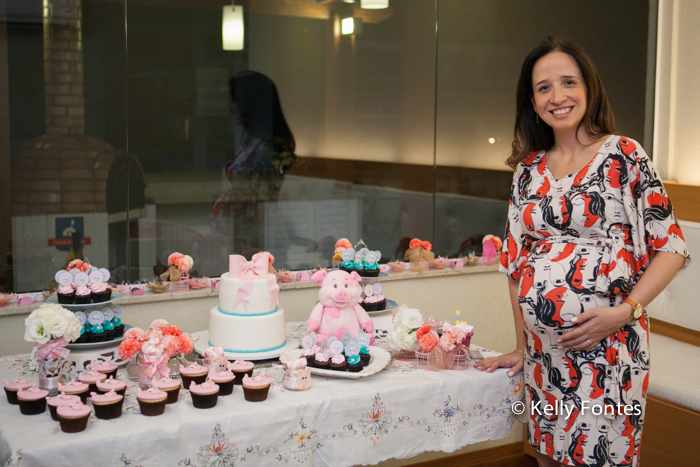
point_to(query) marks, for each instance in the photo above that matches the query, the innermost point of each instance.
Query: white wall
(677, 120)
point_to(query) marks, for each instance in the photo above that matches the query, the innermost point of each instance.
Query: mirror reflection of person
(591, 239)
(256, 171)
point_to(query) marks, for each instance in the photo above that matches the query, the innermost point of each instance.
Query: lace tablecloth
(397, 413)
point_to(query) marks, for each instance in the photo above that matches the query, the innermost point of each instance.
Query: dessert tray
(76, 307)
(390, 305)
(379, 359)
(201, 344)
(98, 345)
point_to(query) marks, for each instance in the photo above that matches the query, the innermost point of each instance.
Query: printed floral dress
(574, 244)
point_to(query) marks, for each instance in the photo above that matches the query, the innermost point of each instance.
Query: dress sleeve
(512, 260)
(660, 226)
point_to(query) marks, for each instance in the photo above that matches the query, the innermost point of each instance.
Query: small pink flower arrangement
(171, 338)
(179, 265)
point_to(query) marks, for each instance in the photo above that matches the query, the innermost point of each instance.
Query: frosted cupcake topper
(309, 340)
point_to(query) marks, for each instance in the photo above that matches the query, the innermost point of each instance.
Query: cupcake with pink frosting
(83, 295)
(62, 399)
(241, 368)
(169, 386)
(112, 384)
(194, 372)
(370, 303)
(309, 355)
(100, 292)
(255, 389)
(91, 378)
(13, 387)
(108, 368)
(74, 417)
(65, 294)
(76, 388)
(322, 360)
(225, 381)
(152, 401)
(338, 362)
(32, 401)
(205, 395)
(381, 302)
(108, 405)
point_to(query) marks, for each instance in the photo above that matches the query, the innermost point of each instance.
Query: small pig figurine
(337, 311)
(296, 375)
(215, 360)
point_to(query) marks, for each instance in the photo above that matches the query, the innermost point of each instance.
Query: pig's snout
(342, 296)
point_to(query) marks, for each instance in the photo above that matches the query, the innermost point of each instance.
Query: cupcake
(112, 384)
(12, 387)
(195, 372)
(347, 266)
(65, 294)
(152, 401)
(92, 378)
(83, 295)
(108, 405)
(309, 354)
(241, 368)
(109, 330)
(118, 327)
(83, 337)
(371, 270)
(62, 399)
(355, 363)
(75, 388)
(169, 386)
(32, 401)
(370, 303)
(322, 360)
(100, 292)
(364, 355)
(97, 334)
(225, 381)
(255, 389)
(73, 418)
(338, 362)
(381, 302)
(204, 396)
(107, 368)
(360, 268)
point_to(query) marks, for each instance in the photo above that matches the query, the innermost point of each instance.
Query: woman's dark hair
(258, 104)
(530, 134)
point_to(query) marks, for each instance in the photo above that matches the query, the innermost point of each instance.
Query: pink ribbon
(159, 366)
(238, 266)
(213, 352)
(52, 349)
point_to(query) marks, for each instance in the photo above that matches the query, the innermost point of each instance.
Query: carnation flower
(158, 325)
(171, 331)
(171, 344)
(129, 347)
(447, 341)
(186, 344)
(136, 333)
(173, 258)
(428, 341)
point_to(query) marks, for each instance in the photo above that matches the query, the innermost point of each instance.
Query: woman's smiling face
(559, 91)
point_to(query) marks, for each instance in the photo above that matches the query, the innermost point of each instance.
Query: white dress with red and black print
(574, 244)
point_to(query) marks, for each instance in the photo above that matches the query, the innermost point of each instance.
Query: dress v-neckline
(575, 174)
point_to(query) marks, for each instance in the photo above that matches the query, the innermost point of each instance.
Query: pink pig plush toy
(337, 311)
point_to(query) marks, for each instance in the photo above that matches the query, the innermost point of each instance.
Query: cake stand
(201, 344)
(82, 307)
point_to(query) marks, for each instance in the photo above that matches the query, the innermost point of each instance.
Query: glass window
(129, 133)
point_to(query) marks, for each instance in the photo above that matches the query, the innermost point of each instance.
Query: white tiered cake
(248, 319)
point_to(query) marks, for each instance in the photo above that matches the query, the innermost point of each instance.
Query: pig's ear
(319, 276)
(356, 276)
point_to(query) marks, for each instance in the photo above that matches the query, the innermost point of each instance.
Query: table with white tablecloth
(397, 413)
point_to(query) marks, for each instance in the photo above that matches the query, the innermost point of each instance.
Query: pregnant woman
(591, 239)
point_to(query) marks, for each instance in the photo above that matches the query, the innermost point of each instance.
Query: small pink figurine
(296, 375)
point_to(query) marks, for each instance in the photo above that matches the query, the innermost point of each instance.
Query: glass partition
(129, 133)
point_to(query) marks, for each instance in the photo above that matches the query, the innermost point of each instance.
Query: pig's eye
(346, 286)
(335, 286)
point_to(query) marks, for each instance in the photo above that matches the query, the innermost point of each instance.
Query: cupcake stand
(81, 355)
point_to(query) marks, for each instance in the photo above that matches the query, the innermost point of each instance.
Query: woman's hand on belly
(513, 361)
(594, 325)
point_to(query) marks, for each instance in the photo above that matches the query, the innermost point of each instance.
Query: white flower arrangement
(406, 321)
(51, 321)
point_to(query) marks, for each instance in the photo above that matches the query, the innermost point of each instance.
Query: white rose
(399, 317)
(56, 325)
(402, 340)
(35, 331)
(73, 326)
(413, 319)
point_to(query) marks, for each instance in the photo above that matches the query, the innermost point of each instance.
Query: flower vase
(174, 364)
(132, 368)
(50, 374)
(181, 285)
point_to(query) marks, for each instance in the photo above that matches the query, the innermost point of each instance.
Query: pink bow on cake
(238, 266)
